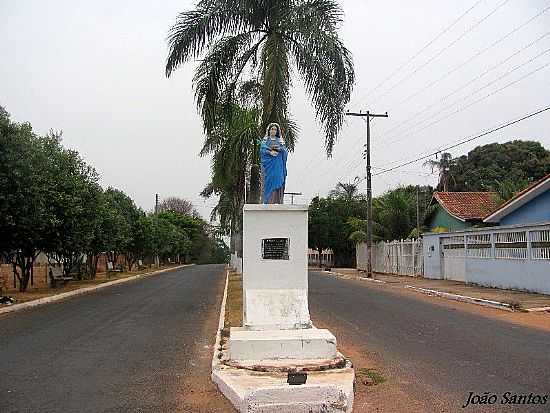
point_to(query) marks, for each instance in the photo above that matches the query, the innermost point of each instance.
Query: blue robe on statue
(273, 167)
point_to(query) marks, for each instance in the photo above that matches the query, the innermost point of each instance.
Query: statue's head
(273, 129)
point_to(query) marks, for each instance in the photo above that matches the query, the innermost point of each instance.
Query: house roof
(467, 206)
(520, 199)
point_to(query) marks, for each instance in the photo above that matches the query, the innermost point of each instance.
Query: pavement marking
(81, 291)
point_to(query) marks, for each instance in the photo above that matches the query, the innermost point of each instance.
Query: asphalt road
(143, 346)
(436, 353)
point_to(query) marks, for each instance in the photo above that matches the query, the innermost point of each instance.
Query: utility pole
(417, 212)
(367, 115)
(157, 260)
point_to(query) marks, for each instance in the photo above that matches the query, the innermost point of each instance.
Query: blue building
(530, 206)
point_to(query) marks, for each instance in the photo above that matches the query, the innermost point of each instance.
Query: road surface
(432, 356)
(143, 346)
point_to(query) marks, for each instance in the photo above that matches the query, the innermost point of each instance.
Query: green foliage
(262, 40)
(339, 221)
(331, 223)
(51, 202)
(504, 168)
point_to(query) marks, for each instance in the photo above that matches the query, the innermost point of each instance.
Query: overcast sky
(95, 69)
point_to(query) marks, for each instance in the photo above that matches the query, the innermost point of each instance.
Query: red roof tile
(468, 205)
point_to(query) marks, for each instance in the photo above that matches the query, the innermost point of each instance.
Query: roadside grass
(369, 376)
(34, 293)
(234, 303)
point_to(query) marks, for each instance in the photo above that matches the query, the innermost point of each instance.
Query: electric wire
(441, 51)
(426, 46)
(458, 110)
(471, 58)
(400, 137)
(478, 77)
(462, 142)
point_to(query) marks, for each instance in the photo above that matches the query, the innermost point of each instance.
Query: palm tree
(233, 144)
(260, 41)
(347, 191)
(444, 167)
(394, 211)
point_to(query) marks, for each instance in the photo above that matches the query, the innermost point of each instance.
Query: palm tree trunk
(254, 194)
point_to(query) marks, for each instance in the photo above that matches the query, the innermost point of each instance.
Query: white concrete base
(253, 392)
(276, 309)
(311, 343)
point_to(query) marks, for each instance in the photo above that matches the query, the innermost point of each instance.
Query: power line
(473, 57)
(464, 86)
(409, 134)
(538, 112)
(445, 30)
(441, 51)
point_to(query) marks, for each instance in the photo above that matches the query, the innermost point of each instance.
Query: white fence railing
(394, 257)
(516, 256)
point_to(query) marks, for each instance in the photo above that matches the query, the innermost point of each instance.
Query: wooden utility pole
(367, 115)
(417, 212)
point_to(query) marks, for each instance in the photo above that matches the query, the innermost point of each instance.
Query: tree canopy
(501, 167)
(51, 202)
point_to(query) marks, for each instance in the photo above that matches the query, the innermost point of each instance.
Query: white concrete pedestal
(277, 329)
(275, 290)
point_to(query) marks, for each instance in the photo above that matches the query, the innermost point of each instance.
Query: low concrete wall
(510, 257)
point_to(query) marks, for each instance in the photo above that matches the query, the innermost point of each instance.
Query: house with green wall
(455, 211)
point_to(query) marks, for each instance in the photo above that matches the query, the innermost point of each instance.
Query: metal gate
(453, 254)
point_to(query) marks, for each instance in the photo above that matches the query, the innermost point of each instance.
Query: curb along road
(455, 297)
(81, 291)
(464, 298)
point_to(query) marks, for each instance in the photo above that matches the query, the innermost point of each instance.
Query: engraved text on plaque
(275, 248)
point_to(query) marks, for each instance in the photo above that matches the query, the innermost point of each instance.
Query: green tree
(120, 215)
(319, 225)
(141, 240)
(261, 40)
(348, 191)
(72, 192)
(489, 167)
(234, 146)
(23, 214)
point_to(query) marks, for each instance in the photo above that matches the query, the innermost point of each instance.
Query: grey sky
(96, 71)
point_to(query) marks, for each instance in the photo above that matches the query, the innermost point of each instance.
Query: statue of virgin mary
(273, 154)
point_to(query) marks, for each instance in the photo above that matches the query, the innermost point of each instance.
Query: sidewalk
(514, 299)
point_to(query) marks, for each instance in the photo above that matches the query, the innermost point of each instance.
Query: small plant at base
(369, 376)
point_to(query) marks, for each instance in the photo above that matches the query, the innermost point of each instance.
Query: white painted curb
(81, 291)
(538, 309)
(463, 298)
(215, 358)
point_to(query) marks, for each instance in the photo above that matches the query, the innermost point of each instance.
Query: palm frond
(324, 63)
(195, 29)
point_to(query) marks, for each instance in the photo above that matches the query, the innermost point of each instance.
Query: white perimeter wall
(511, 257)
